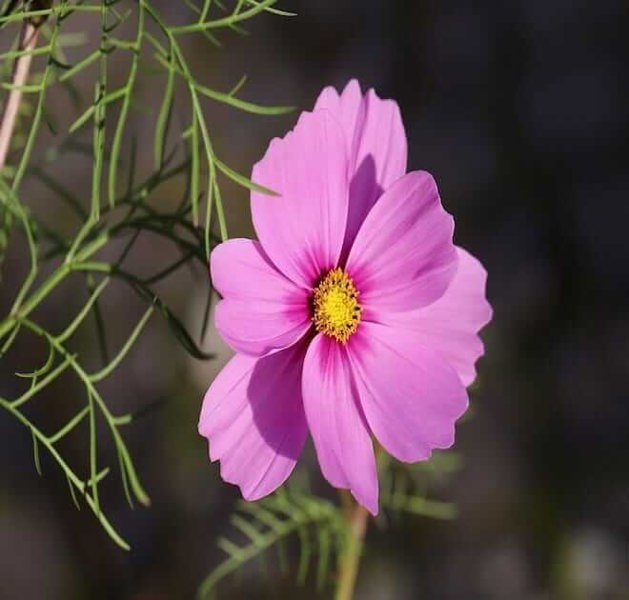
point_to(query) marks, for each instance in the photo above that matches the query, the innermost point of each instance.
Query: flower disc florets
(336, 310)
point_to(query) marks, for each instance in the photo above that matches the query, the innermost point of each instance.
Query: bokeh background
(520, 111)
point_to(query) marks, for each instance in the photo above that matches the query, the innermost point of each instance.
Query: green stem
(356, 517)
(20, 311)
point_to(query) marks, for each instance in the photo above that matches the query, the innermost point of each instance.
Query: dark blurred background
(520, 110)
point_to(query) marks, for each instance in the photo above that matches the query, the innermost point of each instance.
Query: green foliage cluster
(118, 207)
(316, 524)
(320, 528)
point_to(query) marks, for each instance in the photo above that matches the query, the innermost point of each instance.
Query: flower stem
(356, 517)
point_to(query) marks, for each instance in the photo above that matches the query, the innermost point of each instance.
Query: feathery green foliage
(315, 523)
(94, 245)
(319, 526)
(403, 487)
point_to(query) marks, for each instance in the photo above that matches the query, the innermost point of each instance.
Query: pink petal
(403, 256)
(451, 324)
(259, 327)
(348, 110)
(410, 395)
(241, 270)
(254, 421)
(302, 229)
(262, 310)
(341, 439)
(376, 144)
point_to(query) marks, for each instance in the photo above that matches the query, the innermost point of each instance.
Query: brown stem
(357, 518)
(21, 68)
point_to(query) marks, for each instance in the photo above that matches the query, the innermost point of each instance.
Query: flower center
(336, 311)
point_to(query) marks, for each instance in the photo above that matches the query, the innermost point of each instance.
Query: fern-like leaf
(315, 523)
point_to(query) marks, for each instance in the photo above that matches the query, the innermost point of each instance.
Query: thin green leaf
(36, 455)
(108, 369)
(242, 180)
(70, 425)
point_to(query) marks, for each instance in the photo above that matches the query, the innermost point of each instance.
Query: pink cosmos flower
(354, 316)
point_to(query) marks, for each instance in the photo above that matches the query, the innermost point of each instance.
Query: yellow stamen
(336, 311)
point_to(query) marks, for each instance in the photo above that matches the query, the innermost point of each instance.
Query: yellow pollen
(336, 311)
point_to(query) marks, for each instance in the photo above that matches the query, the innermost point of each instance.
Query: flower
(354, 316)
